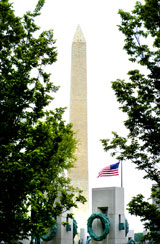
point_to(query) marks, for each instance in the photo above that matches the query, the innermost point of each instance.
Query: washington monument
(78, 116)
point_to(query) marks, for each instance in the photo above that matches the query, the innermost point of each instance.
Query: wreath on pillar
(51, 234)
(126, 227)
(105, 223)
(75, 226)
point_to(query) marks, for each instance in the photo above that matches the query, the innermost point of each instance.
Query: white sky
(106, 61)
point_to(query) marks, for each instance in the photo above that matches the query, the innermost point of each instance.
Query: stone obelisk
(78, 117)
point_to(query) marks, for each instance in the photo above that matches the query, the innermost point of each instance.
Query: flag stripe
(108, 173)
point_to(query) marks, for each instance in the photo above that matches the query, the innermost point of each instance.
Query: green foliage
(139, 98)
(150, 213)
(39, 6)
(138, 237)
(36, 145)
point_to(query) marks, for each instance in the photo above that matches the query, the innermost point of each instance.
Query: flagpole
(121, 174)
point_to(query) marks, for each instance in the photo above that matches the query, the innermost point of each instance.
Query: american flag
(111, 170)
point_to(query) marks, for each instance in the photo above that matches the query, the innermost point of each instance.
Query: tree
(139, 97)
(36, 145)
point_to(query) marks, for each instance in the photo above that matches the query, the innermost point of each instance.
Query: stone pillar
(78, 117)
(110, 201)
(83, 236)
(64, 235)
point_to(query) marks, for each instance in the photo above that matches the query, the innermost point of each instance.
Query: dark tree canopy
(139, 98)
(36, 145)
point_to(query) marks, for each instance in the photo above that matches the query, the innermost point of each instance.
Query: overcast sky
(106, 61)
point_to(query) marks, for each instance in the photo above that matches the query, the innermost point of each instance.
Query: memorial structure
(109, 201)
(78, 117)
(107, 223)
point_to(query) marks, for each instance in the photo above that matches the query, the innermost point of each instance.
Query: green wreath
(126, 227)
(131, 242)
(106, 226)
(75, 226)
(51, 234)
